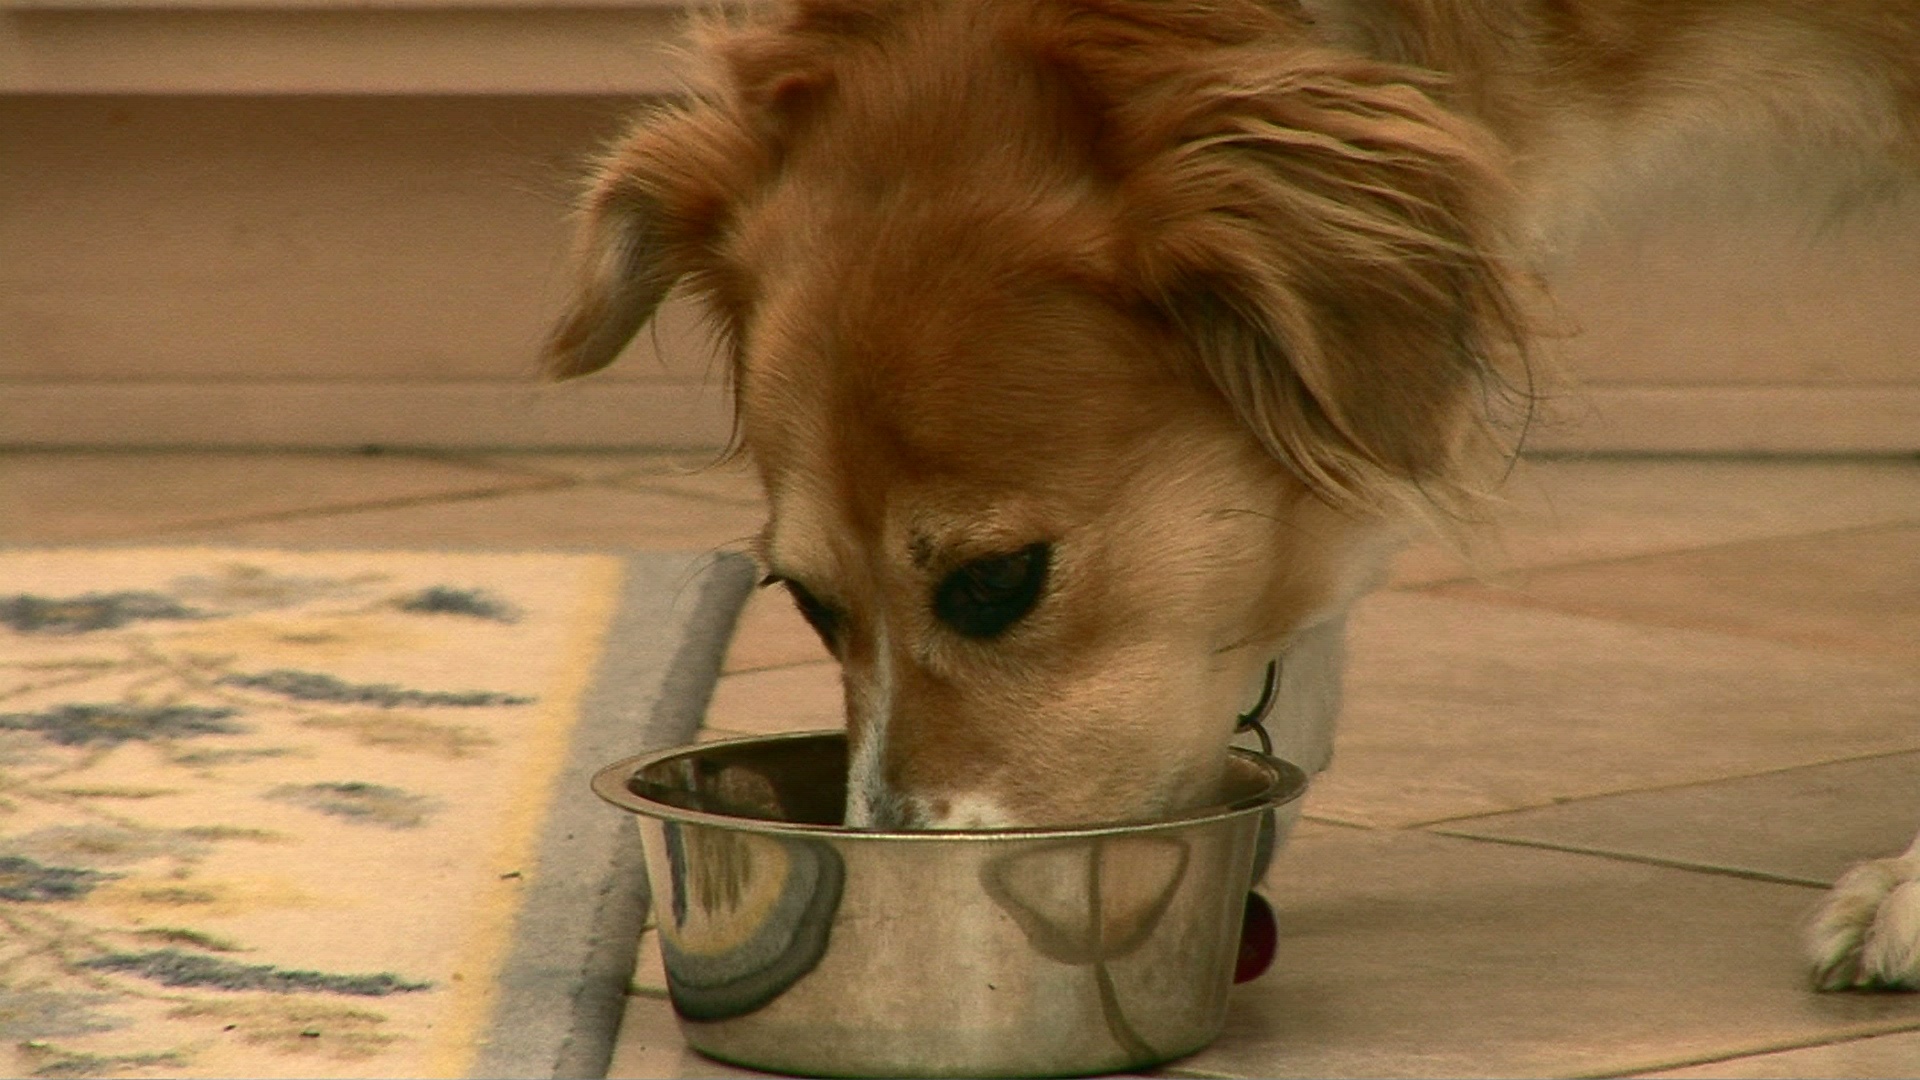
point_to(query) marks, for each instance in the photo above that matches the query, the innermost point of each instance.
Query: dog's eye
(824, 619)
(984, 597)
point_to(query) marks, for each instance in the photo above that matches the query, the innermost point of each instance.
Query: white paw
(1866, 935)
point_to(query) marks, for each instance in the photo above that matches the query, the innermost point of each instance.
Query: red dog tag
(1259, 938)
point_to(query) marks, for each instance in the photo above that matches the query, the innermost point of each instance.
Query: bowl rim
(1287, 782)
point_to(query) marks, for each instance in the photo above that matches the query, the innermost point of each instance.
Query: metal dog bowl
(794, 944)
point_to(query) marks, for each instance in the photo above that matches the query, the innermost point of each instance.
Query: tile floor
(1583, 797)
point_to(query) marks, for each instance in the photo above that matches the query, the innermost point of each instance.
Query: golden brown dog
(1095, 353)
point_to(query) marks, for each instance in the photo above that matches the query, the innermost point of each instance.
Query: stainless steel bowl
(794, 944)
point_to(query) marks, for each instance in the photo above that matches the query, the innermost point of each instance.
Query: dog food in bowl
(794, 944)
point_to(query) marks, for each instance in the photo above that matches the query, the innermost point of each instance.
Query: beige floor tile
(733, 481)
(649, 973)
(1806, 824)
(687, 462)
(772, 634)
(89, 497)
(768, 702)
(1883, 1057)
(650, 1046)
(682, 472)
(573, 517)
(1403, 954)
(1565, 511)
(1855, 591)
(1457, 708)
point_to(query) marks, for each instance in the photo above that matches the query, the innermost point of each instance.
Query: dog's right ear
(658, 210)
(620, 276)
(653, 215)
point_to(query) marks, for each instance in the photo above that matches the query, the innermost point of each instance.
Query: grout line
(787, 665)
(488, 463)
(1354, 825)
(479, 461)
(1497, 576)
(1677, 785)
(1647, 860)
(1857, 1034)
(342, 509)
(626, 484)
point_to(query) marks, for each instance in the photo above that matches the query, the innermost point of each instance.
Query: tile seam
(1858, 1033)
(343, 509)
(1652, 789)
(787, 666)
(1644, 860)
(623, 484)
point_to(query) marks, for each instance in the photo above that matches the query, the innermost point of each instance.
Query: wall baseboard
(213, 47)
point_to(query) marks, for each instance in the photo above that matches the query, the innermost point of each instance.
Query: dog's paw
(1866, 935)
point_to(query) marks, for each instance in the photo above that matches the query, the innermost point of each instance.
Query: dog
(1097, 355)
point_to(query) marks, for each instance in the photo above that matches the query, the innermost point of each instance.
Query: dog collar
(1259, 930)
(1254, 719)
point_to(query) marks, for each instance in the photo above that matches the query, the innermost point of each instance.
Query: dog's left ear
(658, 203)
(1326, 236)
(665, 195)
(620, 276)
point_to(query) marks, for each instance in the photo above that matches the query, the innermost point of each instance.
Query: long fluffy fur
(1339, 232)
(1326, 237)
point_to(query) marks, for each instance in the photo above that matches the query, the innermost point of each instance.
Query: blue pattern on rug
(104, 677)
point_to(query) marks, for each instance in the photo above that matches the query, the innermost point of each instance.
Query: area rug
(325, 813)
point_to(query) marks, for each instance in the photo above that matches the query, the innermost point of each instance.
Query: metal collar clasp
(1254, 719)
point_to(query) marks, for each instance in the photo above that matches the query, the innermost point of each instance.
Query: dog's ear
(1323, 232)
(657, 210)
(652, 215)
(620, 276)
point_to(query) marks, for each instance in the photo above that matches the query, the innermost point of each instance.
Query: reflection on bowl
(794, 944)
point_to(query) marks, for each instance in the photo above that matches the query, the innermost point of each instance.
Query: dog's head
(1088, 349)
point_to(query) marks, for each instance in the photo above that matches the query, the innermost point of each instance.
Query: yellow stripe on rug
(458, 1042)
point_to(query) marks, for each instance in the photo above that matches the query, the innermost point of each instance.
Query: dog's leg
(1867, 933)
